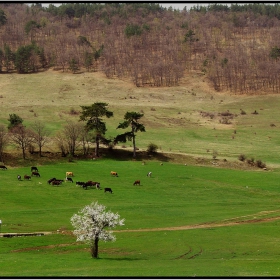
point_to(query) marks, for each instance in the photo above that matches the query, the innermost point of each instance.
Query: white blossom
(91, 223)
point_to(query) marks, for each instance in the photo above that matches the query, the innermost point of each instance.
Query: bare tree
(61, 143)
(72, 132)
(22, 137)
(40, 135)
(4, 139)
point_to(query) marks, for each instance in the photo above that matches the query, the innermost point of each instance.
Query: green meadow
(182, 221)
(196, 215)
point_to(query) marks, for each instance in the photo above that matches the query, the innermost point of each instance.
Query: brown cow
(114, 173)
(27, 177)
(68, 173)
(35, 174)
(137, 182)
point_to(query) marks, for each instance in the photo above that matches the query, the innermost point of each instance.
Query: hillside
(190, 119)
(236, 47)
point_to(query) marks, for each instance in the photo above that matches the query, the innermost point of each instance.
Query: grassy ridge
(171, 115)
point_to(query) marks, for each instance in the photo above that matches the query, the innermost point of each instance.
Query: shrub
(251, 161)
(260, 164)
(152, 148)
(242, 157)
(14, 120)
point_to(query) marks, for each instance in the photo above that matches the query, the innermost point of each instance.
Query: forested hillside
(237, 47)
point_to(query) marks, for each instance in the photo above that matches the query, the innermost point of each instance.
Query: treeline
(89, 129)
(234, 46)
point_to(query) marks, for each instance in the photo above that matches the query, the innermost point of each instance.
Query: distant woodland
(237, 46)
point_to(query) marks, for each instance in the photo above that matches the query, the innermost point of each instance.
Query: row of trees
(230, 44)
(73, 134)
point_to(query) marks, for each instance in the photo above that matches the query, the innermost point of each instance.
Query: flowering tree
(90, 223)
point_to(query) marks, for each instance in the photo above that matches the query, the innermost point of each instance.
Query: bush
(260, 164)
(14, 120)
(152, 148)
(251, 161)
(242, 157)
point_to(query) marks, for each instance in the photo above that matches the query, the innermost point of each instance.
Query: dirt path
(250, 219)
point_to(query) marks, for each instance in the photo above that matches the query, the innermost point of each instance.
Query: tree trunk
(134, 146)
(94, 248)
(97, 146)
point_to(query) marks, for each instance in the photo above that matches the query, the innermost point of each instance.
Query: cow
(149, 174)
(68, 179)
(19, 177)
(91, 184)
(57, 182)
(80, 184)
(108, 190)
(3, 167)
(27, 177)
(68, 173)
(114, 173)
(137, 182)
(37, 174)
(51, 180)
(34, 168)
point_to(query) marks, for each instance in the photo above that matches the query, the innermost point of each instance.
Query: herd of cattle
(56, 182)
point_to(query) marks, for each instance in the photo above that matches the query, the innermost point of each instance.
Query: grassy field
(183, 221)
(191, 218)
(172, 115)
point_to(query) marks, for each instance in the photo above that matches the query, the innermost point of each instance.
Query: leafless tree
(41, 135)
(4, 140)
(72, 133)
(22, 137)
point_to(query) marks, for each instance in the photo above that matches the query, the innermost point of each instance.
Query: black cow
(27, 177)
(57, 182)
(35, 174)
(3, 167)
(34, 168)
(51, 180)
(108, 190)
(80, 184)
(19, 177)
(69, 179)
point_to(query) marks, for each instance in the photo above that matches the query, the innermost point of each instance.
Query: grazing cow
(149, 174)
(51, 180)
(27, 177)
(34, 168)
(56, 182)
(137, 182)
(3, 167)
(80, 184)
(19, 177)
(68, 179)
(114, 173)
(35, 174)
(91, 184)
(108, 190)
(68, 173)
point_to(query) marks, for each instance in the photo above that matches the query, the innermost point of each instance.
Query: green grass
(176, 195)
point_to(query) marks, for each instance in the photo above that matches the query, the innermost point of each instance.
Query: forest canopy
(236, 46)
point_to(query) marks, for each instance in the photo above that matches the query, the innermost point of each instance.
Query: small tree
(4, 139)
(90, 223)
(14, 120)
(22, 137)
(131, 120)
(92, 115)
(41, 135)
